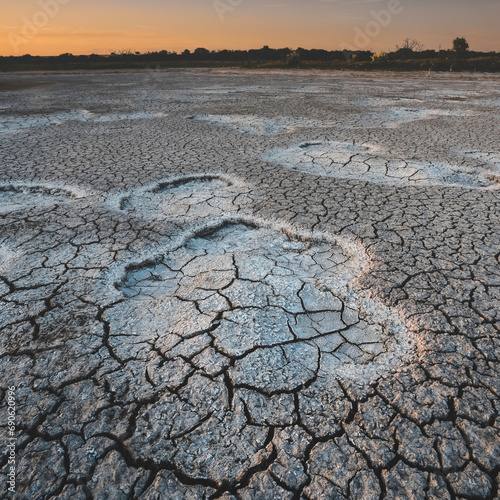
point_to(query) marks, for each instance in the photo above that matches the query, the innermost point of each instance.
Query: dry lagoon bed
(251, 285)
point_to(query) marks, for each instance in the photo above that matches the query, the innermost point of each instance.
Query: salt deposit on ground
(294, 295)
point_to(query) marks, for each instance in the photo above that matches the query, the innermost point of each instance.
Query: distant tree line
(410, 52)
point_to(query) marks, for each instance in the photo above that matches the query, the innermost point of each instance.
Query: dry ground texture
(251, 285)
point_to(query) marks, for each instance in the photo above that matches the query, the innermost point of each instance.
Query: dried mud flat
(251, 285)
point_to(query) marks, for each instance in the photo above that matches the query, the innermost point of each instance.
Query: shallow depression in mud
(19, 196)
(13, 123)
(372, 163)
(187, 198)
(276, 307)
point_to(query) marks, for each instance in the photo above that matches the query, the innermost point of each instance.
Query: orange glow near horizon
(53, 27)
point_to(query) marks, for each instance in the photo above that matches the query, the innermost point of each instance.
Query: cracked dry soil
(251, 285)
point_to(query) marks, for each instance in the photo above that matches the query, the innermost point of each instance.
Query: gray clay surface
(251, 285)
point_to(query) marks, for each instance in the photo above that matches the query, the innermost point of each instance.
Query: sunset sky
(52, 27)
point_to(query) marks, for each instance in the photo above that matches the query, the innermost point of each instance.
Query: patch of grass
(293, 61)
(21, 85)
